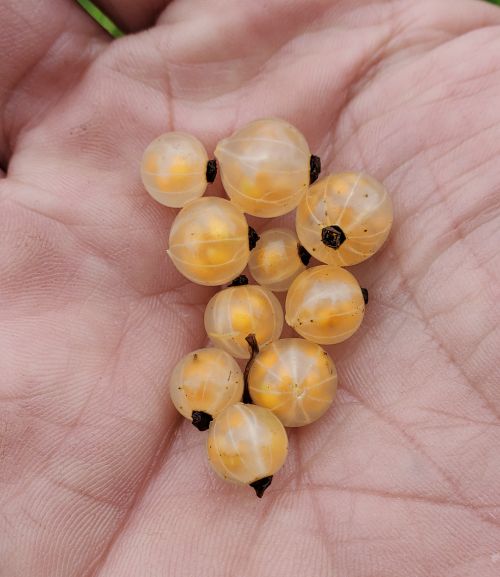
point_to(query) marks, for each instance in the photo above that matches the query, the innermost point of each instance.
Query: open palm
(99, 476)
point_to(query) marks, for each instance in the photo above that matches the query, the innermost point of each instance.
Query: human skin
(99, 476)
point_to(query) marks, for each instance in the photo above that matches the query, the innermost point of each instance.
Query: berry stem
(254, 350)
(315, 168)
(239, 281)
(333, 236)
(201, 420)
(211, 170)
(304, 255)
(253, 238)
(261, 485)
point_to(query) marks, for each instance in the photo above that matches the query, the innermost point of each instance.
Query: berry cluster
(267, 170)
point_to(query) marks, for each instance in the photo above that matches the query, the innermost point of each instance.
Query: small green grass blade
(100, 18)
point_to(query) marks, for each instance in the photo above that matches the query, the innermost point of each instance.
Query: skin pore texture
(99, 475)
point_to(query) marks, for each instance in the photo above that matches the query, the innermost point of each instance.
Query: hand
(99, 475)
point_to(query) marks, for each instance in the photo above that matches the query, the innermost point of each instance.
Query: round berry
(174, 169)
(325, 304)
(204, 383)
(344, 218)
(295, 379)
(238, 311)
(248, 445)
(265, 167)
(277, 259)
(209, 241)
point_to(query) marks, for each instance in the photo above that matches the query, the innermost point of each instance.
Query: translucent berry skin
(235, 312)
(209, 241)
(295, 379)
(173, 169)
(356, 203)
(325, 304)
(275, 261)
(207, 380)
(265, 167)
(246, 443)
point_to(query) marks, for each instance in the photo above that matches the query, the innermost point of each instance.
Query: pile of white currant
(267, 170)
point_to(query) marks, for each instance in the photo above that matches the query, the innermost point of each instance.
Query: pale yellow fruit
(236, 312)
(209, 241)
(207, 380)
(247, 444)
(295, 379)
(276, 260)
(265, 167)
(344, 218)
(325, 304)
(174, 168)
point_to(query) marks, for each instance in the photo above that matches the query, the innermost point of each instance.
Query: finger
(45, 46)
(130, 15)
